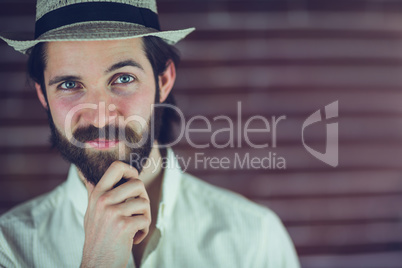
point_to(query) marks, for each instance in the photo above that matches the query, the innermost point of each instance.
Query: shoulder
(36, 208)
(22, 222)
(222, 199)
(19, 227)
(255, 229)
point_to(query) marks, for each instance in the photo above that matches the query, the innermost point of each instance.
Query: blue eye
(124, 79)
(68, 85)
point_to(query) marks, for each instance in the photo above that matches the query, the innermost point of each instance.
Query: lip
(102, 143)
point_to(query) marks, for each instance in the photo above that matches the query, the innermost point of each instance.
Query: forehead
(85, 53)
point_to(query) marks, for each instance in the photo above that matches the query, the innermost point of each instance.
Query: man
(99, 69)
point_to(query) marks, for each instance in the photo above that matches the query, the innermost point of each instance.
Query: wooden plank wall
(278, 58)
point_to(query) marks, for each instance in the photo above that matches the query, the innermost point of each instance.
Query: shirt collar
(78, 194)
(76, 191)
(170, 186)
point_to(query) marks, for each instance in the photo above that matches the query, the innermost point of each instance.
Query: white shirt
(198, 225)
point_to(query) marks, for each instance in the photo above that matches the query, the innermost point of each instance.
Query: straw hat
(80, 20)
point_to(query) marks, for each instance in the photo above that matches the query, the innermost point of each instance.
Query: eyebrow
(122, 64)
(61, 78)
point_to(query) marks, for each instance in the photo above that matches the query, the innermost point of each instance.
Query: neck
(153, 167)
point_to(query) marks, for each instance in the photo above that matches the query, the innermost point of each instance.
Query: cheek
(63, 114)
(139, 104)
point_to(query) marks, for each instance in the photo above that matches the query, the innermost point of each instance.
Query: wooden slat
(342, 235)
(32, 164)
(19, 191)
(351, 156)
(17, 136)
(292, 49)
(13, 8)
(271, 76)
(342, 208)
(263, 20)
(371, 260)
(323, 184)
(275, 103)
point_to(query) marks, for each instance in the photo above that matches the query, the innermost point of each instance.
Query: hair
(158, 52)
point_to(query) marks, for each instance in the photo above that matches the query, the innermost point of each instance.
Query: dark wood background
(278, 58)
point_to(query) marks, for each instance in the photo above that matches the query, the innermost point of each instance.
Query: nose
(105, 112)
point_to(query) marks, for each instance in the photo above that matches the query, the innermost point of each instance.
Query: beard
(93, 163)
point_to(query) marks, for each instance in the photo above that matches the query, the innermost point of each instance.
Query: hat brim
(96, 30)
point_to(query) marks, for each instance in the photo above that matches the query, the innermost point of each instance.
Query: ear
(41, 97)
(166, 81)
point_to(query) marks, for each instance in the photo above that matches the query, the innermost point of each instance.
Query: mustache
(109, 132)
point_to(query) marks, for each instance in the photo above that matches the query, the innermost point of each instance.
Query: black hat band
(96, 11)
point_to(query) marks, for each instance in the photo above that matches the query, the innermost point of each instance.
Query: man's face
(94, 88)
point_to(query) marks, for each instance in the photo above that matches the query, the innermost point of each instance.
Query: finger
(137, 206)
(113, 174)
(140, 227)
(139, 236)
(131, 189)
